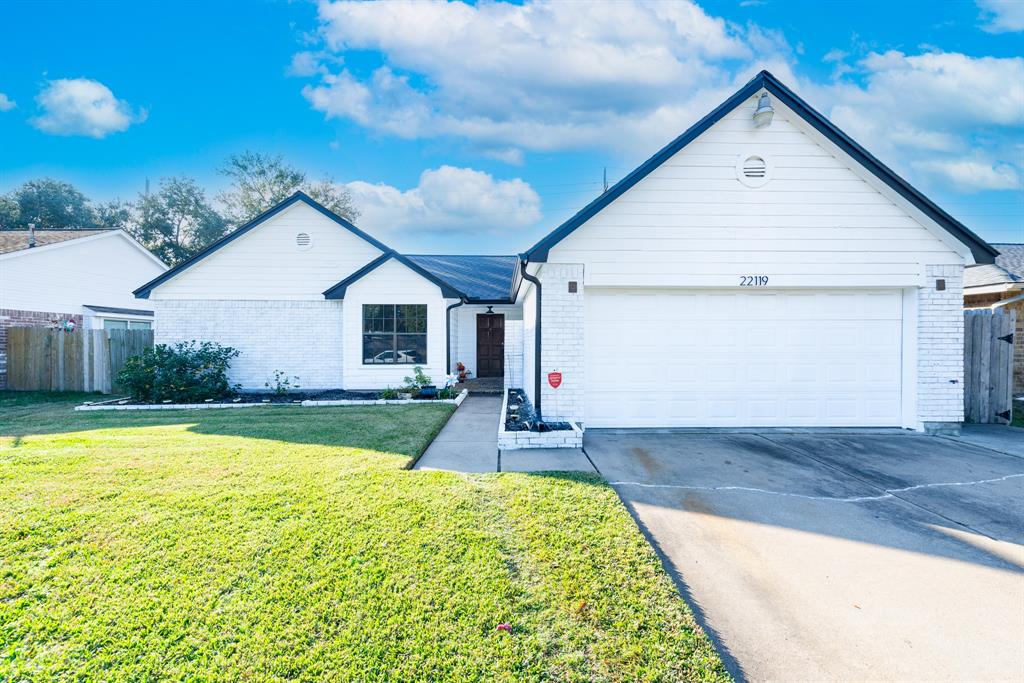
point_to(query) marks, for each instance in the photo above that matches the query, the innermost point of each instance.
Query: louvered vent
(303, 241)
(754, 168)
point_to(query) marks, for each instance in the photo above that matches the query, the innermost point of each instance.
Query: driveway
(838, 556)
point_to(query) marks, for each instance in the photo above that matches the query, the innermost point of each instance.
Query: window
(111, 324)
(394, 334)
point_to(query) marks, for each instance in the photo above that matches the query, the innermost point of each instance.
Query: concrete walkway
(469, 443)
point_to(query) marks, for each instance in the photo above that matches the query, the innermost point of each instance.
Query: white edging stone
(514, 441)
(457, 401)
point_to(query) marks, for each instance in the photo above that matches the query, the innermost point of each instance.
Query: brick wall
(10, 317)
(301, 338)
(940, 347)
(562, 342)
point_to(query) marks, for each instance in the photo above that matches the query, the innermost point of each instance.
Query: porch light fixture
(764, 112)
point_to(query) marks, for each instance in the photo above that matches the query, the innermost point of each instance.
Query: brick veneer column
(562, 341)
(940, 349)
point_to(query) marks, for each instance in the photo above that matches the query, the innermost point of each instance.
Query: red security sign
(555, 379)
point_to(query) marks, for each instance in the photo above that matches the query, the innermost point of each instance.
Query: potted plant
(462, 371)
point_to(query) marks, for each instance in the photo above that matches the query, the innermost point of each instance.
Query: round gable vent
(303, 241)
(753, 170)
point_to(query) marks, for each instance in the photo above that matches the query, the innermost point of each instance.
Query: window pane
(115, 324)
(378, 318)
(139, 325)
(412, 348)
(377, 348)
(412, 318)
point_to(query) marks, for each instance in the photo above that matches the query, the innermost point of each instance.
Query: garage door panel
(766, 358)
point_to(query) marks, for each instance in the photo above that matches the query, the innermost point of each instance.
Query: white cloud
(944, 114)
(81, 106)
(1002, 16)
(973, 176)
(446, 200)
(537, 76)
(508, 155)
(6, 103)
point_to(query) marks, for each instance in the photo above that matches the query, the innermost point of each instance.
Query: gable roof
(1007, 270)
(338, 291)
(482, 279)
(983, 253)
(17, 240)
(144, 291)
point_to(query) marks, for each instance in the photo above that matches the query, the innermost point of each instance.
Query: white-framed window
(116, 324)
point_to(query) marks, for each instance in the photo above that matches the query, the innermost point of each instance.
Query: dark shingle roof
(1008, 268)
(480, 278)
(17, 240)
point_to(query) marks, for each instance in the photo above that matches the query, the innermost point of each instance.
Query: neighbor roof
(143, 291)
(983, 253)
(1007, 270)
(479, 278)
(17, 240)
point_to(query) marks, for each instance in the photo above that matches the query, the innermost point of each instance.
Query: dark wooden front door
(490, 345)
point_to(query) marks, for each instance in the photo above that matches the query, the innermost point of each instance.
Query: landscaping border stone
(457, 401)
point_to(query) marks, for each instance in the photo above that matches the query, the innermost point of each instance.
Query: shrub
(389, 394)
(188, 372)
(418, 380)
(281, 384)
(447, 392)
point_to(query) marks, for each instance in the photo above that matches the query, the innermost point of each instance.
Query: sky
(478, 128)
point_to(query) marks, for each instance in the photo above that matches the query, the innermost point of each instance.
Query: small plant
(447, 393)
(389, 394)
(187, 372)
(418, 380)
(282, 383)
(462, 372)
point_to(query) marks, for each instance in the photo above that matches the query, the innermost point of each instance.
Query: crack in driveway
(886, 493)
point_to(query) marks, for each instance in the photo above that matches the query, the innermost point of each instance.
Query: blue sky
(478, 128)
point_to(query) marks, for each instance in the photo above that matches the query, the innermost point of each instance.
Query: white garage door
(743, 359)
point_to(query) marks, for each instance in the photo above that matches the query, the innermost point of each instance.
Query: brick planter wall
(512, 441)
(11, 317)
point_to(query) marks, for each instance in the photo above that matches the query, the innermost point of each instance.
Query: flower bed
(303, 399)
(519, 428)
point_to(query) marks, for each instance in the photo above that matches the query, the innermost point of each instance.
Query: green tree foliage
(188, 372)
(176, 221)
(259, 181)
(49, 204)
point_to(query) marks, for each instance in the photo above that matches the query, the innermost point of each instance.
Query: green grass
(1018, 416)
(293, 544)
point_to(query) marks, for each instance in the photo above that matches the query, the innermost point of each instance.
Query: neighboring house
(49, 277)
(744, 276)
(1000, 285)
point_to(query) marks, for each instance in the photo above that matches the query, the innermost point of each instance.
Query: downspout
(536, 343)
(448, 335)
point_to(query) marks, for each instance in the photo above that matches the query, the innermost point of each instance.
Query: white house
(49, 277)
(761, 270)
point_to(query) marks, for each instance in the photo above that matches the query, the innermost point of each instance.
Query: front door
(490, 345)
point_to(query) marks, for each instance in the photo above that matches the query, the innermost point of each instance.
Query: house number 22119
(753, 280)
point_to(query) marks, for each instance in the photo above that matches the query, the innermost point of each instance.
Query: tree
(259, 181)
(49, 204)
(176, 222)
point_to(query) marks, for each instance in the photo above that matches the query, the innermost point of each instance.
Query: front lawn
(292, 543)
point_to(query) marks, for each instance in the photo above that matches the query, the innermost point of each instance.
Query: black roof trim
(143, 291)
(338, 291)
(983, 252)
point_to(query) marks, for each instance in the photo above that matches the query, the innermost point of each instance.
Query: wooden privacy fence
(988, 365)
(41, 359)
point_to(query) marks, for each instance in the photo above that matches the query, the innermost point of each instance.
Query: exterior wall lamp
(764, 112)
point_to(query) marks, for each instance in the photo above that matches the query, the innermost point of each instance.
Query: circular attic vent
(753, 170)
(303, 241)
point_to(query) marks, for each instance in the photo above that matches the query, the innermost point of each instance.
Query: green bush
(188, 372)
(389, 394)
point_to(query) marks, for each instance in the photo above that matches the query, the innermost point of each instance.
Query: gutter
(448, 334)
(536, 339)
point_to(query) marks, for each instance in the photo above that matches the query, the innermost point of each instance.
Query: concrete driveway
(838, 556)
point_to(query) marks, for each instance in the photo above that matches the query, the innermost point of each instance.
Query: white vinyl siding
(267, 264)
(464, 327)
(817, 222)
(61, 278)
(743, 359)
